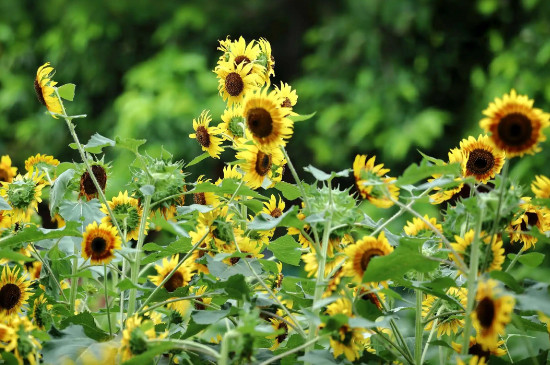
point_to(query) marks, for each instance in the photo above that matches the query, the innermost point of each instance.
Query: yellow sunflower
(206, 136)
(312, 264)
(529, 216)
(5, 220)
(266, 59)
(477, 350)
(7, 172)
(442, 195)
(14, 292)
(22, 344)
(515, 126)
(495, 258)
(41, 313)
(246, 246)
(360, 254)
(136, 336)
(233, 122)
(281, 329)
(287, 96)
(23, 194)
(99, 243)
(203, 249)
(202, 302)
(266, 119)
(482, 159)
(258, 164)
(348, 340)
(235, 82)
(450, 323)
(205, 198)
(87, 187)
(491, 313)
(44, 87)
(240, 52)
(181, 278)
(35, 162)
(127, 212)
(418, 227)
(371, 182)
(541, 187)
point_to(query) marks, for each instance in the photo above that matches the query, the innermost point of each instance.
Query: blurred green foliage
(386, 77)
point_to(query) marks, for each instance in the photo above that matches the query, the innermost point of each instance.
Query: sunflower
(491, 313)
(180, 278)
(14, 292)
(7, 172)
(371, 294)
(257, 164)
(541, 187)
(206, 136)
(203, 248)
(23, 194)
(202, 301)
(348, 340)
(476, 349)
(128, 212)
(482, 159)
(267, 120)
(87, 186)
(360, 254)
(281, 329)
(44, 87)
(240, 52)
(205, 198)
(99, 243)
(5, 220)
(245, 246)
(495, 258)
(516, 127)
(40, 161)
(233, 122)
(41, 313)
(21, 343)
(135, 337)
(266, 59)
(235, 81)
(530, 216)
(286, 95)
(312, 264)
(450, 323)
(418, 227)
(442, 195)
(371, 182)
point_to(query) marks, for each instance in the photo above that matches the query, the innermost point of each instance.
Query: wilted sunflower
(529, 216)
(45, 91)
(495, 258)
(180, 278)
(233, 122)
(23, 194)
(257, 164)
(266, 119)
(127, 212)
(14, 292)
(206, 136)
(515, 126)
(99, 243)
(491, 314)
(39, 161)
(235, 82)
(87, 187)
(541, 187)
(371, 182)
(266, 59)
(450, 323)
(360, 253)
(482, 159)
(7, 172)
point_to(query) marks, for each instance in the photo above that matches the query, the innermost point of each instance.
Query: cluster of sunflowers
(171, 270)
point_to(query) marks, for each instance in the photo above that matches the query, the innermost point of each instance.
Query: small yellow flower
(45, 89)
(372, 183)
(7, 172)
(206, 136)
(99, 243)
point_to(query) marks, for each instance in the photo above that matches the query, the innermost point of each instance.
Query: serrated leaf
(317, 174)
(4, 204)
(289, 191)
(532, 259)
(81, 211)
(415, 173)
(286, 249)
(302, 117)
(198, 159)
(67, 91)
(59, 188)
(131, 144)
(96, 144)
(34, 234)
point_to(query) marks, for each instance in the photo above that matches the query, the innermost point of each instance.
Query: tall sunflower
(515, 126)
(99, 243)
(44, 87)
(7, 172)
(371, 182)
(127, 212)
(38, 161)
(529, 216)
(233, 122)
(446, 323)
(541, 187)
(257, 164)
(14, 292)
(23, 194)
(206, 136)
(235, 82)
(360, 253)
(482, 159)
(495, 258)
(493, 311)
(266, 119)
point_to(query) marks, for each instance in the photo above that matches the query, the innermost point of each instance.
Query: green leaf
(317, 174)
(224, 272)
(130, 143)
(415, 173)
(532, 259)
(265, 222)
(67, 91)
(367, 309)
(147, 190)
(318, 357)
(34, 234)
(14, 256)
(301, 118)
(210, 316)
(506, 279)
(289, 191)
(441, 344)
(59, 188)
(84, 212)
(534, 298)
(95, 144)
(9, 358)
(405, 257)
(127, 284)
(198, 159)
(148, 356)
(87, 321)
(286, 249)
(4, 204)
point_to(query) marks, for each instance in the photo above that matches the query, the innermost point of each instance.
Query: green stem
(47, 267)
(432, 331)
(419, 328)
(74, 279)
(291, 351)
(190, 346)
(224, 352)
(107, 299)
(406, 356)
(513, 262)
(295, 175)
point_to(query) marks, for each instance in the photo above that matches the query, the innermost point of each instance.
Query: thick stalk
(74, 279)
(418, 327)
(224, 352)
(107, 299)
(291, 351)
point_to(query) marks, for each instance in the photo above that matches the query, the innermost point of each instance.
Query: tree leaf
(67, 91)
(286, 249)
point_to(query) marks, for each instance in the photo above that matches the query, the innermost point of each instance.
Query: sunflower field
(265, 263)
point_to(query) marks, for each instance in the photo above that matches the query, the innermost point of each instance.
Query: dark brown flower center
(480, 161)
(532, 220)
(282, 336)
(240, 59)
(477, 349)
(287, 103)
(515, 129)
(263, 163)
(259, 122)
(198, 304)
(234, 84)
(234, 260)
(202, 136)
(276, 213)
(9, 296)
(373, 298)
(485, 311)
(39, 94)
(175, 281)
(4, 175)
(87, 186)
(199, 198)
(368, 255)
(98, 245)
